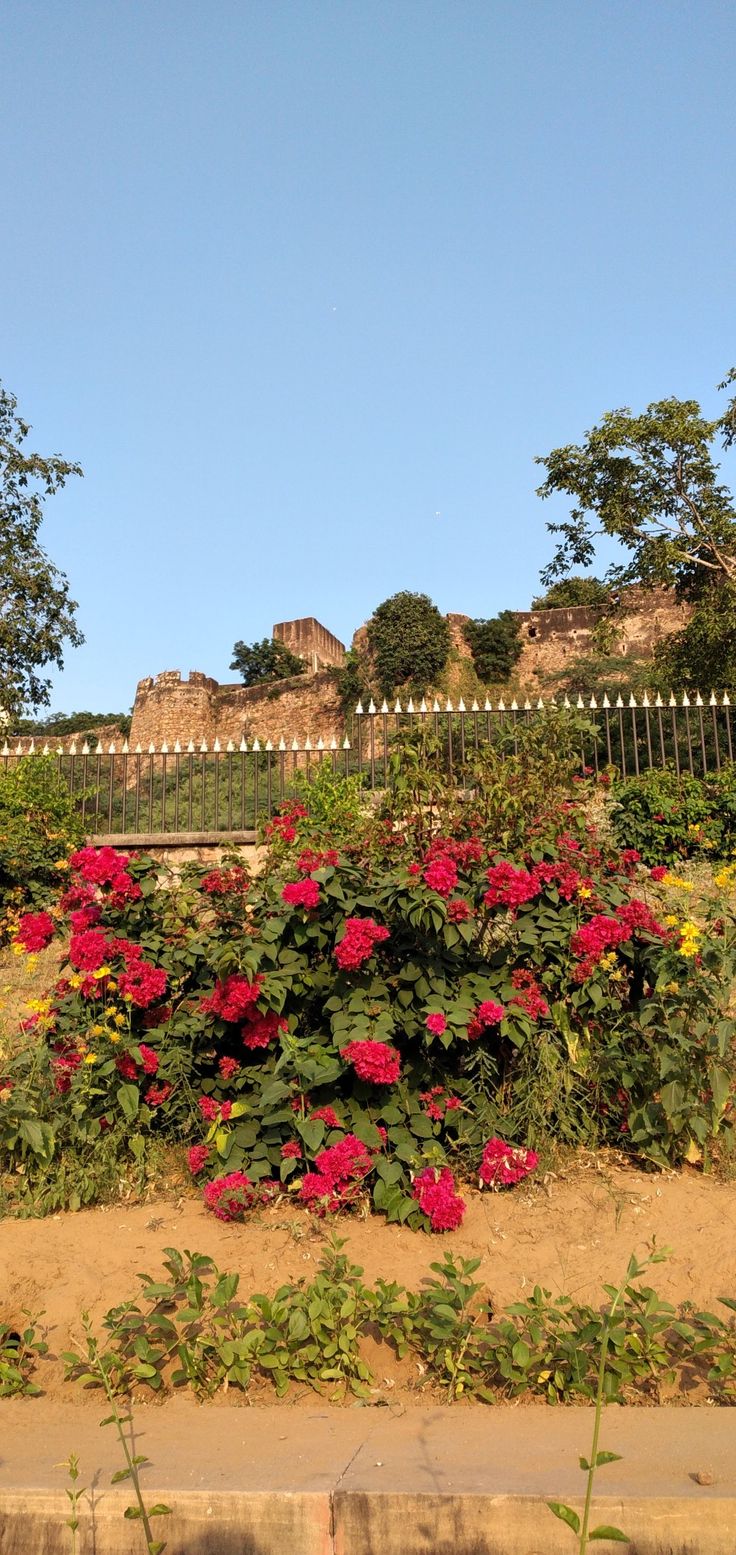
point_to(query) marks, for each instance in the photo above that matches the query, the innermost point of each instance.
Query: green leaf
(565, 1514)
(604, 1531)
(128, 1097)
(119, 1475)
(607, 1457)
(132, 1512)
(159, 1510)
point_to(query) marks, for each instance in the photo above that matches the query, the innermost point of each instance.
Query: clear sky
(305, 285)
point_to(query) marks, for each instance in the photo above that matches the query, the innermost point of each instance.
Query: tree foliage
(72, 723)
(409, 642)
(703, 655)
(650, 482)
(578, 589)
(265, 661)
(37, 616)
(495, 645)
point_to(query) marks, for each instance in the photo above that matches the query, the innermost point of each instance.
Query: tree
(650, 482)
(37, 616)
(266, 661)
(495, 645)
(575, 590)
(409, 642)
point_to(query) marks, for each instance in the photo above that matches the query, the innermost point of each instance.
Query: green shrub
(409, 642)
(669, 817)
(496, 646)
(575, 590)
(39, 827)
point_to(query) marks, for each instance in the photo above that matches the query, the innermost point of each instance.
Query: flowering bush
(669, 816)
(352, 1031)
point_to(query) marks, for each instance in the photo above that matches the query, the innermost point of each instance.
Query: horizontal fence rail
(223, 790)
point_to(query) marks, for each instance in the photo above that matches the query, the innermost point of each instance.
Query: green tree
(37, 616)
(408, 641)
(575, 590)
(650, 482)
(266, 661)
(496, 646)
(702, 657)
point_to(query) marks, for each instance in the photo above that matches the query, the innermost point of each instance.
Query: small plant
(134, 1462)
(598, 1459)
(74, 1495)
(19, 1350)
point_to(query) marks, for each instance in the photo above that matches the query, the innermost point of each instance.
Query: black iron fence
(215, 790)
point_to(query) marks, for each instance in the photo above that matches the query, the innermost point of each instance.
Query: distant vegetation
(71, 723)
(262, 663)
(495, 645)
(575, 590)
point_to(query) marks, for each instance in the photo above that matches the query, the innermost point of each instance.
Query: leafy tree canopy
(578, 589)
(649, 481)
(72, 723)
(702, 657)
(268, 660)
(37, 616)
(495, 645)
(409, 642)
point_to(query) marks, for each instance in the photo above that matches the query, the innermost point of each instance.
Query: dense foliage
(37, 616)
(39, 824)
(495, 645)
(670, 817)
(71, 723)
(577, 589)
(409, 642)
(398, 999)
(262, 662)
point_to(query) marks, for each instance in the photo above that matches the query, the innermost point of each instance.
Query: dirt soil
(569, 1233)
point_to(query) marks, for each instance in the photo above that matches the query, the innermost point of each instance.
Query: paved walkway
(361, 1481)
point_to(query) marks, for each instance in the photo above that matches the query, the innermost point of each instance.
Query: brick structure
(311, 641)
(168, 708)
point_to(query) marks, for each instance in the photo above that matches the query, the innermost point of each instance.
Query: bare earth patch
(569, 1233)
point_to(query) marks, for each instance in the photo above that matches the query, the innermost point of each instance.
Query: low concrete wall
(281, 1481)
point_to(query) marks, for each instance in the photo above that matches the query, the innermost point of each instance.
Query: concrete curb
(298, 1481)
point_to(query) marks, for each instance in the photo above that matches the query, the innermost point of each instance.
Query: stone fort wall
(169, 708)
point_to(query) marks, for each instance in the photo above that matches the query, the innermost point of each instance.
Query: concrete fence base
(361, 1481)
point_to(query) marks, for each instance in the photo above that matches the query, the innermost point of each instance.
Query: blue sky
(291, 278)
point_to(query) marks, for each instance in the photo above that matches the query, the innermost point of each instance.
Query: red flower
(197, 1157)
(374, 1061)
(529, 997)
(301, 893)
(223, 882)
(441, 876)
(209, 1109)
(458, 910)
(263, 1029)
(326, 1115)
(503, 1165)
(84, 918)
(510, 887)
(156, 1095)
(125, 1065)
(35, 931)
(149, 1059)
(232, 998)
(434, 1190)
(228, 1068)
(292, 1151)
(308, 861)
(659, 872)
(88, 951)
(230, 1197)
(143, 984)
(436, 1024)
(357, 943)
(340, 1172)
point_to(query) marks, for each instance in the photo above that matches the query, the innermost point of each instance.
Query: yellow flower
(18, 950)
(113, 1036)
(61, 863)
(97, 1030)
(617, 975)
(681, 885)
(690, 930)
(91, 1058)
(671, 920)
(102, 971)
(112, 985)
(671, 988)
(688, 948)
(75, 980)
(584, 891)
(31, 963)
(120, 1019)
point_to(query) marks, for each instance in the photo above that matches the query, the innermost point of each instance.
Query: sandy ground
(569, 1233)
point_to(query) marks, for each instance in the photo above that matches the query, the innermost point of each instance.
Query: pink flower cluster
(143, 984)
(510, 887)
(225, 882)
(230, 1197)
(503, 1165)
(283, 827)
(213, 1111)
(603, 933)
(228, 1068)
(35, 931)
(232, 998)
(434, 1191)
(263, 1029)
(377, 1062)
(105, 867)
(341, 1169)
(437, 1103)
(197, 1158)
(301, 893)
(436, 1023)
(458, 910)
(310, 860)
(529, 995)
(357, 944)
(487, 1014)
(441, 876)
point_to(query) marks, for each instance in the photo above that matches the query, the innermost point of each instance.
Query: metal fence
(208, 790)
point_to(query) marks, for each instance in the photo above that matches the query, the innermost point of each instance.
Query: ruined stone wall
(310, 640)
(168, 708)
(553, 638)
